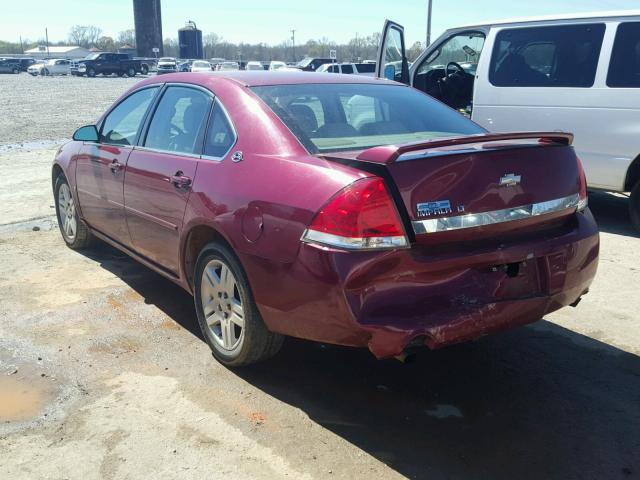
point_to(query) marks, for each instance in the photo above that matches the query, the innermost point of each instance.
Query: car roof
(255, 78)
(550, 18)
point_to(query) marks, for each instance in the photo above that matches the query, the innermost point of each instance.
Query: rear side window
(221, 136)
(347, 69)
(179, 120)
(562, 56)
(624, 68)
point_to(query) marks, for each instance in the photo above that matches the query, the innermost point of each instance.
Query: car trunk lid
(491, 183)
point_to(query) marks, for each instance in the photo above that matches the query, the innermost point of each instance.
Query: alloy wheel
(67, 211)
(222, 306)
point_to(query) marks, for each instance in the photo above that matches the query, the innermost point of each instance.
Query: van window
(366, 67)
(624, 68)
(562, 56)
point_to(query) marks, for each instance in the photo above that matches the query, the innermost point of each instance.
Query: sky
(270, 21)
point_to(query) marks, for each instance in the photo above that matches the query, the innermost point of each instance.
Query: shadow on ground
(538, 402)
(612, 213)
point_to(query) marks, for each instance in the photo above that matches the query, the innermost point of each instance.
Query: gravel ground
(49, 109)
(104, 374)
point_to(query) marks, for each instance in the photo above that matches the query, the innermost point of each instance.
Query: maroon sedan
(335, 208)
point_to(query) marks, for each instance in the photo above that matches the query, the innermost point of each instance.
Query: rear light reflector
(584, 198)
(362, 216)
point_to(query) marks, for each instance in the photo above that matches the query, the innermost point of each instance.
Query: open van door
(392, 58)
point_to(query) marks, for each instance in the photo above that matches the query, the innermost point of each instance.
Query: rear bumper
(387, 301)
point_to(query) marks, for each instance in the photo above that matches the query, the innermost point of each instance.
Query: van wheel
(227, 314)
(634, 207)
(74, 231)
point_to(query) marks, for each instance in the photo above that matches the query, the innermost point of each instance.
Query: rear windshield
(337, 117)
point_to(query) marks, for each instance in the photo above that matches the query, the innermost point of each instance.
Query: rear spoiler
(387, 154)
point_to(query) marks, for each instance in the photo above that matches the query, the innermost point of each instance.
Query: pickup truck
(109, 63)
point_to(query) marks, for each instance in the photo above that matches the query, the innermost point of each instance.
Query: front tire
(45, 72)
(15, 71)
(144, 69)
(91, 72)
(227, 313)
(131, 72)
(75, 232)
(634, 206)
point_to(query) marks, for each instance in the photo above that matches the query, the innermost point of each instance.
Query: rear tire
(634, 207)
(75, 232)
(227, 313)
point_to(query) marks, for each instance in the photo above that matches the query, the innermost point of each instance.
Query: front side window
(179, 120)
(562, 56)
(221, 136)
(122, 124)
(335, 117)
(624, 67)
(463, 49)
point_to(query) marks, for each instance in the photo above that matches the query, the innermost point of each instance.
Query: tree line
(357, 49)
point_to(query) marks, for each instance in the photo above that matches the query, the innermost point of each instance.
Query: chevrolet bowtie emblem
(510, 180)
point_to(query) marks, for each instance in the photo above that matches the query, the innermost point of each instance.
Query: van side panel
(605, 121)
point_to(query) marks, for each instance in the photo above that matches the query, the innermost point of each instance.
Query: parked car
(228, 66)
(366, 69)
(254, 66)
(310, 64)
(54, 66)
(276, 65)
(184, 66)
(413, 226)
(201, 66)
(9, 65)
(577, 73)
(110, 63)
(24, 62)
(167, 65)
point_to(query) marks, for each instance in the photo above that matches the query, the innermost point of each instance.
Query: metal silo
(190, 40)
(148, 23)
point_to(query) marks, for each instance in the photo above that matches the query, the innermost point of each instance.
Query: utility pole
(46, 36)
(21, 45)
(293, 43)
(429, 24)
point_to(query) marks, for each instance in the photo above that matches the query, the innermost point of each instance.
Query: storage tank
(148, 23)
(190, 40)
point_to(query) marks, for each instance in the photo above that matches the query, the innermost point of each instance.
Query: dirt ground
(104, 374)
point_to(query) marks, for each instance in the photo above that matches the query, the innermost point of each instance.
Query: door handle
(115, 166)
(179, 180)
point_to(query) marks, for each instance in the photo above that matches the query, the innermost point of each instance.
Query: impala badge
(510, 180)
(440, 207)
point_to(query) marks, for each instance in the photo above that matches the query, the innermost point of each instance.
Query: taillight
(584, 198)
(360, 216)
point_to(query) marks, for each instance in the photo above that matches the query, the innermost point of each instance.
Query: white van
(364, 69)
(577, 73)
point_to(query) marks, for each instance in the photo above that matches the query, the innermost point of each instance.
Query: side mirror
(88, 133)
(390, 72)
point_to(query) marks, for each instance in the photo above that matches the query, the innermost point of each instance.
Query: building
(190, 40)
(41, 51)
(148, 23)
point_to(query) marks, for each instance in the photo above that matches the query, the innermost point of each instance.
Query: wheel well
(198, 237)
(56, 171)
(633, 175)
